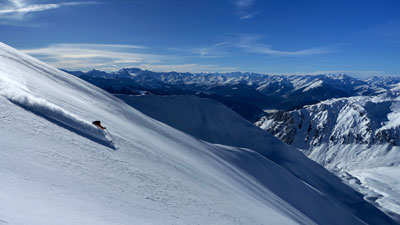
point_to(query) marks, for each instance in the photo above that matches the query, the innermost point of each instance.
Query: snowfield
(56, 168)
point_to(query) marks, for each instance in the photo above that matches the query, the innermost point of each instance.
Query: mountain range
(249, 94)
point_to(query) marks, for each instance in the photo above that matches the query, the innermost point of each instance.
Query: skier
(98, 124)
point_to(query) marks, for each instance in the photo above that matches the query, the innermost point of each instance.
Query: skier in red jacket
(98, 124)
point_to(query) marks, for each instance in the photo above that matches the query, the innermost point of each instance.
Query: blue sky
(358, 37)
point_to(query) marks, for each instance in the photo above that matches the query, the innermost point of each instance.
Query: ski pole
(110, 135)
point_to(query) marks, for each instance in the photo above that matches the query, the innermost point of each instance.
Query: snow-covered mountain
(246, 93)
(357, 135)
(56, 168)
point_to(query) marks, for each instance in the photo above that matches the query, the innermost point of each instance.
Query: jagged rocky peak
(354, 120)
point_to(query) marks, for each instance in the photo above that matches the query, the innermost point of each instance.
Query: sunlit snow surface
(383, 184)
(56, 168)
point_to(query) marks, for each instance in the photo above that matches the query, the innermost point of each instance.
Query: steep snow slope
(357, 135)
(55, 169)
(213, 122)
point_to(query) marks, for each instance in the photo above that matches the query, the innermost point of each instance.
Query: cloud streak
(247, 43)
(192, 67)
(111, 57)
(250, 43)
(250, 15)
(90, 56)
(353, 73)
(213, 51)
(244, 3)
(18, 10)
(388, 31)
(244, 9)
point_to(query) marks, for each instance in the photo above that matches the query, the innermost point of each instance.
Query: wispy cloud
(388, 31)
(213, 51)
(244, 9)
(90, 56)
(248, 43)
(353, 73)
(20, 10)
(111, 57)
(194, 68)
(251, 43)
(250, 15)
(244, 3)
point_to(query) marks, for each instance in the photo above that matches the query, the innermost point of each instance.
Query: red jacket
(98, 124)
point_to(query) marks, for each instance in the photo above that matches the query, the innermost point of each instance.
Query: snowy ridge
(159, 175)
(315, 84)
(350, 135)
(354, 120)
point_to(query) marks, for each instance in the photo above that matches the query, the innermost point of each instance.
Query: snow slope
(56, 169)
(214, 122)
(357, 135)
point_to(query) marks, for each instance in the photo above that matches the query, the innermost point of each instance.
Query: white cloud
(250, 43)
(250, 15)
(244, 3)
(213, 51)
(244, 9)
(388, 31)
(356, 73)
(18, 10)
(268, 51)
(90, 56)
(100, 46)
(111, 57)
(193, 68)
(353, 73)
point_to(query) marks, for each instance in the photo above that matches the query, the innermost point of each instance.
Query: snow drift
(54, 175)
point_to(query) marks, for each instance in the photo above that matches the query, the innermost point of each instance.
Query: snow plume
(20, 95)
